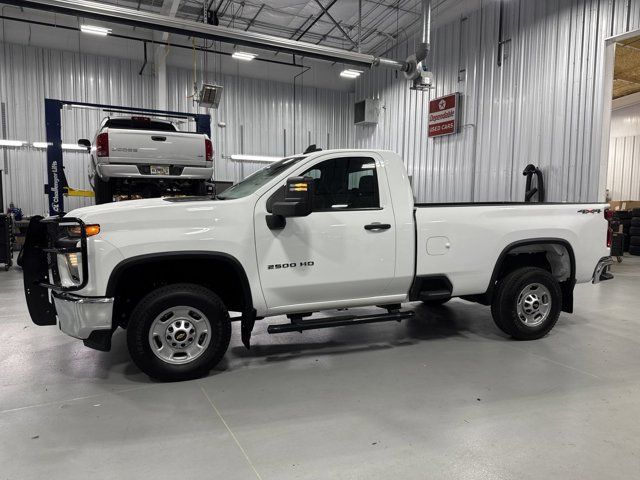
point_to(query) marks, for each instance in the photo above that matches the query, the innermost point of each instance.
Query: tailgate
(156, 147)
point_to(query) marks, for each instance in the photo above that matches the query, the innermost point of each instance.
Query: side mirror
(298, 195)
(83, 142)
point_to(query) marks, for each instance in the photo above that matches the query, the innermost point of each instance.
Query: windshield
(256, 180)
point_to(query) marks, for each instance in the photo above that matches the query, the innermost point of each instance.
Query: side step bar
(341, 321)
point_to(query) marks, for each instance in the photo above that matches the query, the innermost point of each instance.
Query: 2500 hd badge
(277, 266)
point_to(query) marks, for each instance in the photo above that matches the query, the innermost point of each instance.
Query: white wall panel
(543, 105)
(623, 179)
(257, 113)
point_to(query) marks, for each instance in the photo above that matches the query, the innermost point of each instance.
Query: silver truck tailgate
(156, 147)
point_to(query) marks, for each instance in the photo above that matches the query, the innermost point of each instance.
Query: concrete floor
(445, 395)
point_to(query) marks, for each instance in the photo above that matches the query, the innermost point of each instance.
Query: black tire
(635, 222)
(634, 231)
(635, 212)
(633, 250)
(172, 296)
(199, 189)
(103, 191)
(635, 241)
(504, 305)
(435, 303)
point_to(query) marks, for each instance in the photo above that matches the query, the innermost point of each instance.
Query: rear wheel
(178, 332)
(103, 191)
(527, 303)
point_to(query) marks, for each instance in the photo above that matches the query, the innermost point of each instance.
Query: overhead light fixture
(11, 143)
(254, 158)
(40, 144)
(350, 73)
(245, 56)
(95, 30)
(73, 146)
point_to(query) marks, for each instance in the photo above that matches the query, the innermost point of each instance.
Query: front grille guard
(53, 247)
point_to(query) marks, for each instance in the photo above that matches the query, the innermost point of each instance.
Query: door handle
(157, 138)
(377, 226)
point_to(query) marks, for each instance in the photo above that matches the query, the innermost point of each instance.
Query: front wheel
(178, 332)
(527, 303)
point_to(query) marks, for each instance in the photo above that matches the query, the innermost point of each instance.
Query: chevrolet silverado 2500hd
(313, 232)
(147, 156)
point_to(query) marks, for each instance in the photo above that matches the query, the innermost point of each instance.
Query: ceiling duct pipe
(163, 23)
(416, 69)
(425, 42)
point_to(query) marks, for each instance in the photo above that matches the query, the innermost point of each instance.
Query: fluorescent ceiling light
(11, 143)
(254, 158)
(40, 144)
(350, 73)
(73, 146)
(246, 56)
(95, 30)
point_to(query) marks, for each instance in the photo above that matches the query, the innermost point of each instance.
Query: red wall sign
(443, 115)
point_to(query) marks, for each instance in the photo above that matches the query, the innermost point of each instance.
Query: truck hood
(152, 212)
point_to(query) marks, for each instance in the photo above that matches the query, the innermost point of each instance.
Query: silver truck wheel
(178, 332)
(526, 303)
(534, 304)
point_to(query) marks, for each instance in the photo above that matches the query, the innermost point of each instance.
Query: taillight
(102, 145)
(608, 215)
(208, 147)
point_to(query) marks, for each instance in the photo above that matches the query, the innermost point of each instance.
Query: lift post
(56, 179)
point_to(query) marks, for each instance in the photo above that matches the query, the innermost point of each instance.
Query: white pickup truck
(313, 232)
(147, 157)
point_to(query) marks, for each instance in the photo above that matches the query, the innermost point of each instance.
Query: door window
(344, 183)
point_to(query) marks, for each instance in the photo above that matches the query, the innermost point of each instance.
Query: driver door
(345, 249)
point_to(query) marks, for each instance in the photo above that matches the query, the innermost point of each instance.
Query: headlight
(76, 232)
(73, 262)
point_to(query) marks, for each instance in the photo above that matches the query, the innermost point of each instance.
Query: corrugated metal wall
(542, 105)
(623, 176)
(256, 113)
(260, 115)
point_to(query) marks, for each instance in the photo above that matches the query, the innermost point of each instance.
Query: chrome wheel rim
(534, 304)
(179, 335)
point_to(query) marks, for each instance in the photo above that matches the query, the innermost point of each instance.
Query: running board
(341, 321)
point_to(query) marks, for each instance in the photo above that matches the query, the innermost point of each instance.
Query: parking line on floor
(235, 439)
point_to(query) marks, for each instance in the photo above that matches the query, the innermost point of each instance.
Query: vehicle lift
(57, 186)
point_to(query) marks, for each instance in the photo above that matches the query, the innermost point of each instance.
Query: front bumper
(80, 316)
(49, 301)
(117, 170)
(601, 272)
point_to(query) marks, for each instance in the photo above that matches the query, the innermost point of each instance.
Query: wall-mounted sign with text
(443, 115)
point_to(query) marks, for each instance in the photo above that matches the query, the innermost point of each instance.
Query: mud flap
(246, 327)
(35, 266)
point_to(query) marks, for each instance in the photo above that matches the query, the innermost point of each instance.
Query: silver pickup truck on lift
(147, 157)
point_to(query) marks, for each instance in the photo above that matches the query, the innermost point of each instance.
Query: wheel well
(554, 256)
(134, 279)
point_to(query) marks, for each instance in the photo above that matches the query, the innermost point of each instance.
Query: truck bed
(466, 243)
